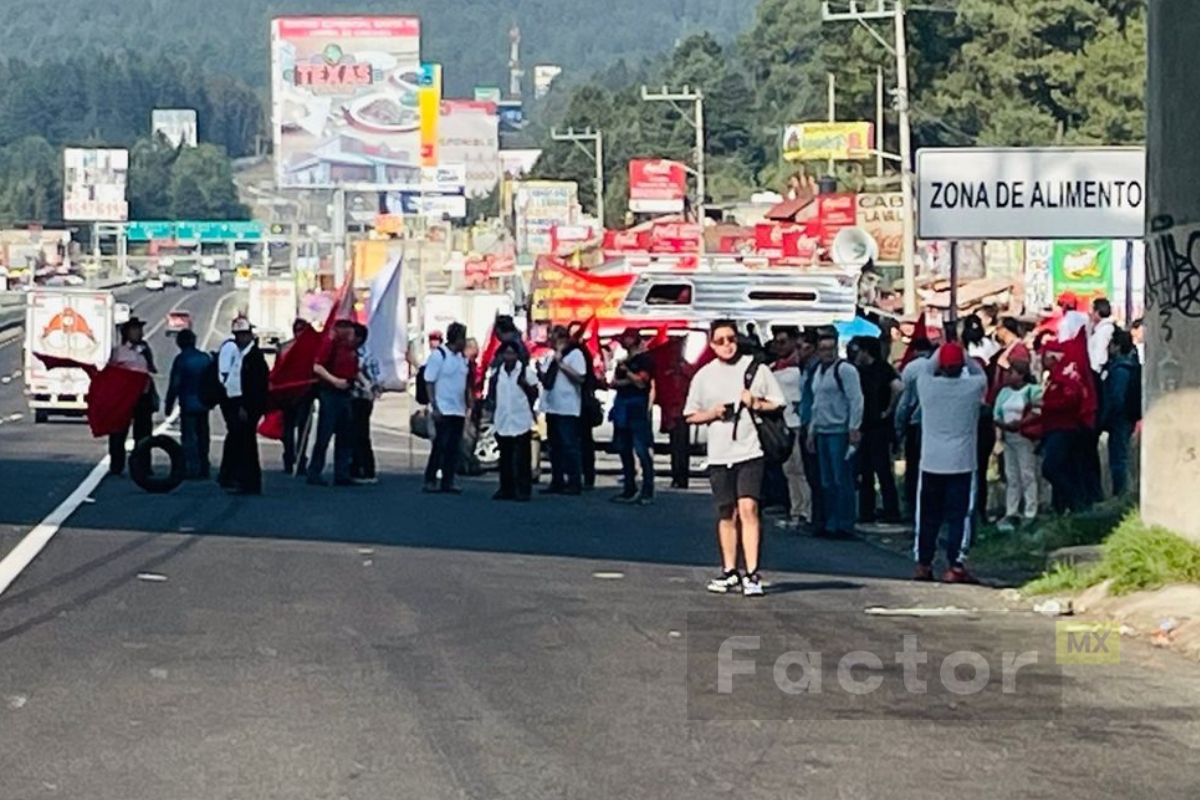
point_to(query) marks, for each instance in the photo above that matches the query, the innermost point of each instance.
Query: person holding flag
(133, 353)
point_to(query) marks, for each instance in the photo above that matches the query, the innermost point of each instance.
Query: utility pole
(596, 154)
(687, 95)
(1169, 468)
(862, 11)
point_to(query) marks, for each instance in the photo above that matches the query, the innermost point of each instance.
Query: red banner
(561, 295)
(657, 186)
(835, 212)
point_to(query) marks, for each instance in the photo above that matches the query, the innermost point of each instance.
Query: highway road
(377, 642)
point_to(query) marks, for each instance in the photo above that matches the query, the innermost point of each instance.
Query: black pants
(945, 499)
(1091, 483)
(334, 424)
(812, 474)
(362, 462)
(681, 454)
(912, 467)
(240, 467)
(875, 463)
(295, 417)
(142, 425)
(587, 452)
(516, 466)
(984, 445)
(443, 456)
(1062, 469)
(565, 457)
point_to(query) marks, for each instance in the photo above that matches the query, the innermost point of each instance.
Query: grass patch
(1136, 557)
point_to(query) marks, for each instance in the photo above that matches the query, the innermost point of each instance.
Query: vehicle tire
(41, 417)
(468, 462)
(487, 450)
(144, 477)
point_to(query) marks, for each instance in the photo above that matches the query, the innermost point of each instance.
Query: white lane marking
(17, 561)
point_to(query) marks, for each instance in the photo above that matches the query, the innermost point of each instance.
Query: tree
(202, 186)
(150, 163)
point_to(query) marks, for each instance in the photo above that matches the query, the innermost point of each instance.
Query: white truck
(68, 323)
(272, 309)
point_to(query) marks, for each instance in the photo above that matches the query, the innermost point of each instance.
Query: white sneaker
(752, 586)
(724, 584)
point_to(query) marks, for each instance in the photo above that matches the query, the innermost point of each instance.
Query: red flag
(920, 331)
(343, 304)
(112, 394)
(271, 426)
(671, 376)
(1076, 353)
(292, 375)
(660, 338)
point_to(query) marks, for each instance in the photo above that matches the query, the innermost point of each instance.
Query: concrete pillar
(1170, 481)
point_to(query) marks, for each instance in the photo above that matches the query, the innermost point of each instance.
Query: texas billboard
(469, 134)
(345, 100)
(94, 182)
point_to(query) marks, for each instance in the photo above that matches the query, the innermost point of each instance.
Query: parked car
(178, 321)
(154, 284)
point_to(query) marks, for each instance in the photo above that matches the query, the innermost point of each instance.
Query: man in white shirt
(1101, 334)
(793, 351)
(447, 376)
(512, 391)
(718, 398)
(245, 383)
(562, 374)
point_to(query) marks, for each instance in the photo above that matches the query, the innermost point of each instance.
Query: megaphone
(854, 247)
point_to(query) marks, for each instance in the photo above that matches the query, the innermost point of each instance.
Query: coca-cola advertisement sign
(657, 186)
(835, 212)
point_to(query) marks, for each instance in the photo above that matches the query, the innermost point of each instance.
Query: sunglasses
(724, 340)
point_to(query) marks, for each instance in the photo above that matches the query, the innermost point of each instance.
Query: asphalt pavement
(377, 642)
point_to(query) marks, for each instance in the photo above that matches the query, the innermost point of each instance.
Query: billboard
(882, 216)
(178, 125)
(469, 134)
(488, 94)
(543, 79)
(345, 100)
(1085, 268)
(429, 98)
(94, 183)
(539, 207)
(822, 141)
(1031, 193)
(657, 186)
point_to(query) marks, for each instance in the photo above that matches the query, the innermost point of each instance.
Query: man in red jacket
(1065, 408)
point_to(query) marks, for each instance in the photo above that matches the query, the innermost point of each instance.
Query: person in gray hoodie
(835, 433)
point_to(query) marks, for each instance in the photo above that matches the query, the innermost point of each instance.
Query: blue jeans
(566, 455)
(837, 481)
(635, 438)
(1120, 436)
(334, 421)
(193, 431)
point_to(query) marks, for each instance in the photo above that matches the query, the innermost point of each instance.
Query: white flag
(387, 328)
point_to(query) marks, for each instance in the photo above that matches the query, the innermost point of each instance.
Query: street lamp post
(861, 11)
(596, 154)
(696, 98)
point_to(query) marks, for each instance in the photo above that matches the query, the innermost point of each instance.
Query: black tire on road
(139, 464)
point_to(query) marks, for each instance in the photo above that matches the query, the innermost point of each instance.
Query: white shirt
(718, 383)
(447, 372)
(791, 382)
(229, 364)
(513, 415)
(1098, 344)
(565, 397)
(1071, 324)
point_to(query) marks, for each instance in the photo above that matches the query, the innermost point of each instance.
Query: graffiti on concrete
(1172, 273)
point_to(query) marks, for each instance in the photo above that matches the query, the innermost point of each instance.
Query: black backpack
(211, 391)
(776, 438)
(423, 387)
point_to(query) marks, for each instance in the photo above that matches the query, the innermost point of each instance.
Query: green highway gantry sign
(195, 230)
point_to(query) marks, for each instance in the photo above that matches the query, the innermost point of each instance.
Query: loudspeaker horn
(854, 247)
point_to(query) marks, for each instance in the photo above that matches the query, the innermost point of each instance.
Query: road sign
(1031, 193)
(149, 231)
(195, 231)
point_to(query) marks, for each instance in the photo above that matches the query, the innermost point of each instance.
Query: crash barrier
(143, 475)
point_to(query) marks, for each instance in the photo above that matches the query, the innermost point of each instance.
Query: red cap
(1068, 300)
(436, 335)
(951, 354)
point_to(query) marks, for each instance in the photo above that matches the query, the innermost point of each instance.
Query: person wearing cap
(244, 376)
(298, 411)
(133, 353)
(1065, 428)
(633, 431)
(950, 390)
(336, 370)
(1073, 320)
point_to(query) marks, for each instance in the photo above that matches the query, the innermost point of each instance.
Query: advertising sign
(488, 94)
(1039, 289)
(345, 99)
(543, 79)
(469, 134)
(882, 216)
(539, 206)
(512, 115)
(430, 99)
(834, 213)
(1085, 268)
(517, 163)
(1031, 193)
(178, 125)
(822, 141)
(435, 205)
(94, 184)
(657, 186)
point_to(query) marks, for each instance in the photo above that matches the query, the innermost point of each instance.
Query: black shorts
(731, 483)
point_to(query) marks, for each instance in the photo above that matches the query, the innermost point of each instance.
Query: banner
(561, 295)
(345, 100)
(822, 141)
(1039, 290)
(94, 184)
(178, 125)
(1085, 268)
(387, 327)
(657, 186)
(539, 206)
(430, 99)
(882, 216)
(469, 134)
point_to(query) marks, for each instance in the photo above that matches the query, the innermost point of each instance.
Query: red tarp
(112, 395)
